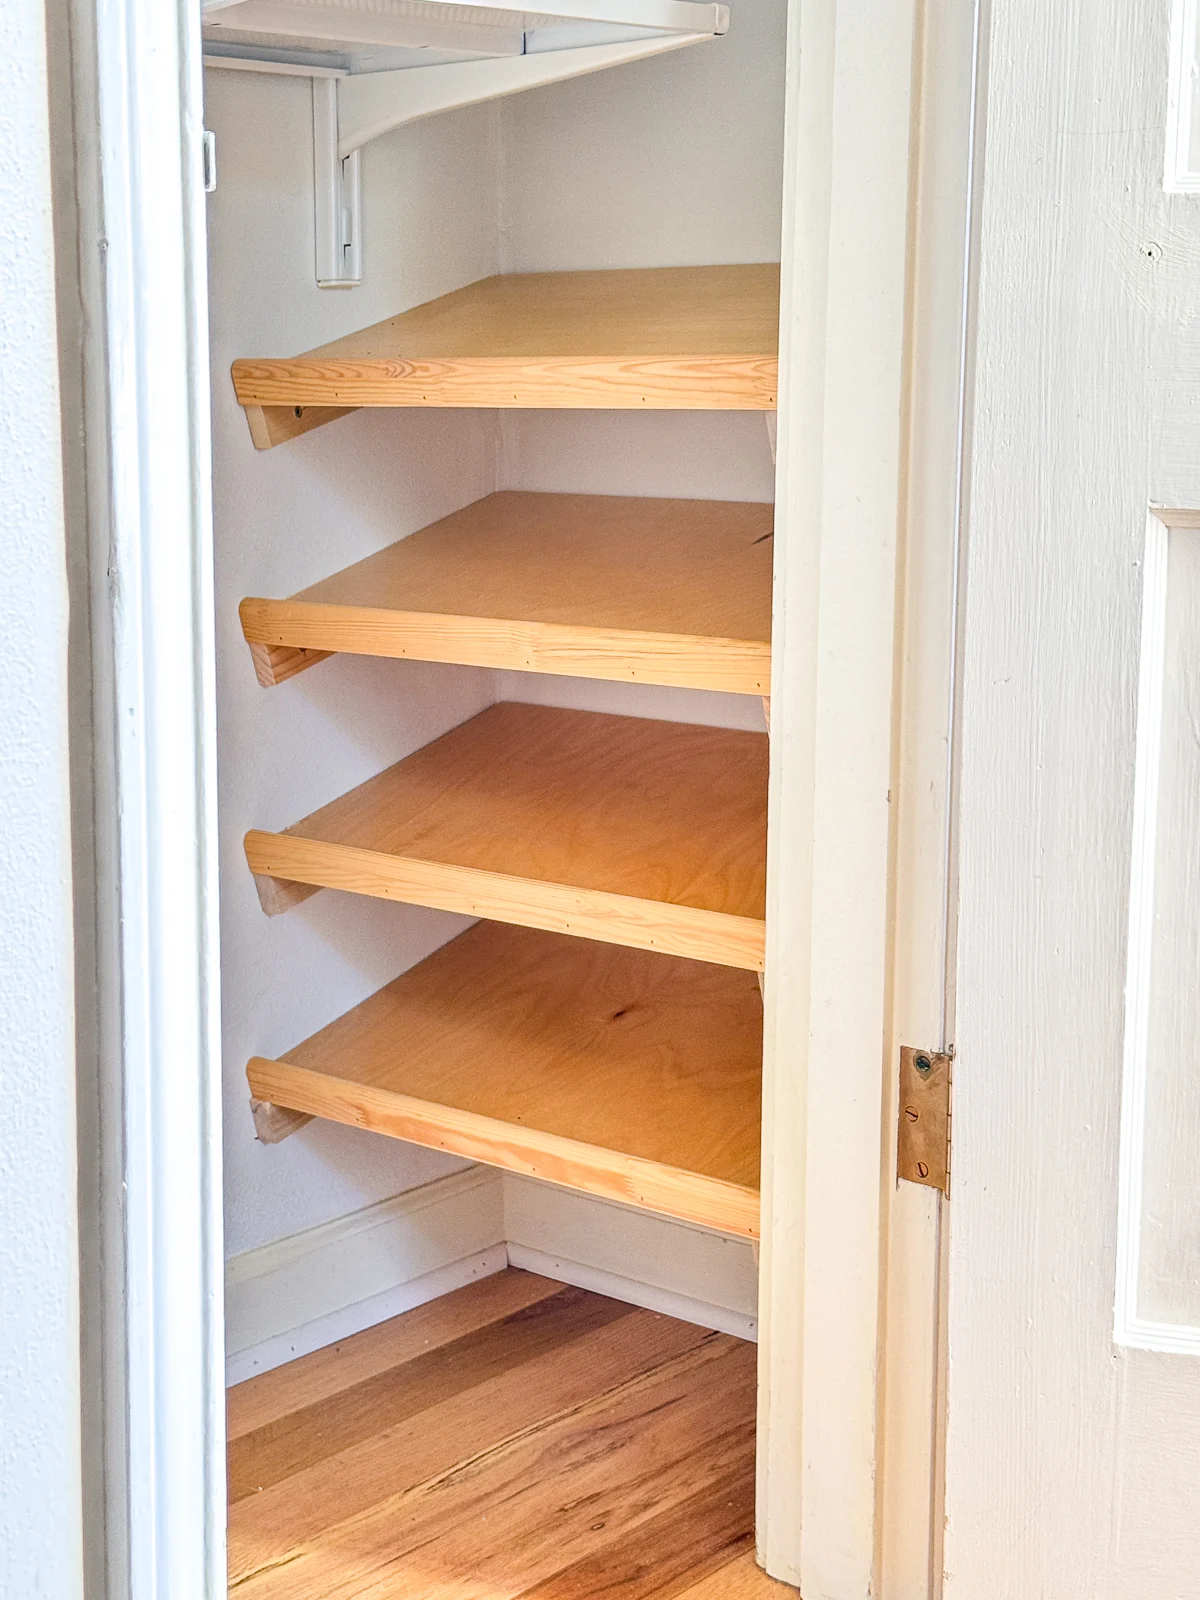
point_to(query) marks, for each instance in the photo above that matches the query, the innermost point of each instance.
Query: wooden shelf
(605, 1070)
(665, 338)
(597, 586)
(635, 832)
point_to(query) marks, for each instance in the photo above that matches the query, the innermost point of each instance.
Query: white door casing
(129, 202)
(1073, 1457)
(877, 176)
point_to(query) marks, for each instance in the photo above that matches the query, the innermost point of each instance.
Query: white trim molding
(677, 1268)
(298, 1294)
(134, 351)
(827, 1191)
(1182, 174)
(1130, 1327)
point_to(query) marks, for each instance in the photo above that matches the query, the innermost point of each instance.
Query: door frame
(131, 269)
(834, 1334)
(877, 275)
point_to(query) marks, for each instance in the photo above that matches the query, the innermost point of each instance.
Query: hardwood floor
(517, 1438)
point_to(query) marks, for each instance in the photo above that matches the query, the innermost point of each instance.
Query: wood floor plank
(471, 1563)
(268, 1527)
(515, 1514)
(690, 1540)
(742, 1579)
(271, 1395)
(293, 1442)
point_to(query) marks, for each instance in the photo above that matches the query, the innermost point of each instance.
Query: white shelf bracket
(351, 111)
(510, 49)
(374, 103)
(338, 194)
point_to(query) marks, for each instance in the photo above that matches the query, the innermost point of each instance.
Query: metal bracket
(923, 1141)
(208, 151)
(338, 193)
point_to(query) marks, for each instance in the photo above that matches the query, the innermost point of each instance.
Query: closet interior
(494, 597)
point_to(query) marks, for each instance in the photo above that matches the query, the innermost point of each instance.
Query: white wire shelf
(354, 36)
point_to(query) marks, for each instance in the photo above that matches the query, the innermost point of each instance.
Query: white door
(1073, 1442)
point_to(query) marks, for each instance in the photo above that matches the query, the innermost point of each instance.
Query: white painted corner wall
(40, 1504)
(39, 1359)
(300, 1293)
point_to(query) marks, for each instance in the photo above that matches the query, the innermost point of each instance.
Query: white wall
(674, 162)
(670, 161)
(285, 518)
(40, 1514)
(1073, 1463)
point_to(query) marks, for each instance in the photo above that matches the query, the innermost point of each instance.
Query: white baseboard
(340, 1324)
(675, 1267)
(315, 1287)
(309, 1290)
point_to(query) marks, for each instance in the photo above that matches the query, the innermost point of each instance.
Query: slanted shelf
(631, 831)
(598, 586)
(621, 1074)
(662, 338)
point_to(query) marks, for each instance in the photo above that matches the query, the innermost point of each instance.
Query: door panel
(1073, 1461)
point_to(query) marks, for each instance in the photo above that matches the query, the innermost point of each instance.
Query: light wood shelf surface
(637, 832)
(665, 338)
(607, 1070)
(598, 586)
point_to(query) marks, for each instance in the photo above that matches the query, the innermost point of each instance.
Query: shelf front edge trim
(699, 935)
(684, 661)
(630, 1180)
(678, 382)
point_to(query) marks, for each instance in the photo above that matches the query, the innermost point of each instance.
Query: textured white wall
(285, 518)
(40, 1540)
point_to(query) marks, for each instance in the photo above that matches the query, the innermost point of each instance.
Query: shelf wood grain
(659, 338)
(601, 1069)
(636, 832)
(594, 586)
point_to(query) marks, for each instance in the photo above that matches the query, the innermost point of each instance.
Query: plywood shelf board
(601, 1069)
(637, 832)
(665, 338)
(673, 592)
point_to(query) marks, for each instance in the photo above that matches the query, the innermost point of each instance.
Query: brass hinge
(923, 1142)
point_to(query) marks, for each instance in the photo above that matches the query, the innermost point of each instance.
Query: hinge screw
(923, 1065)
